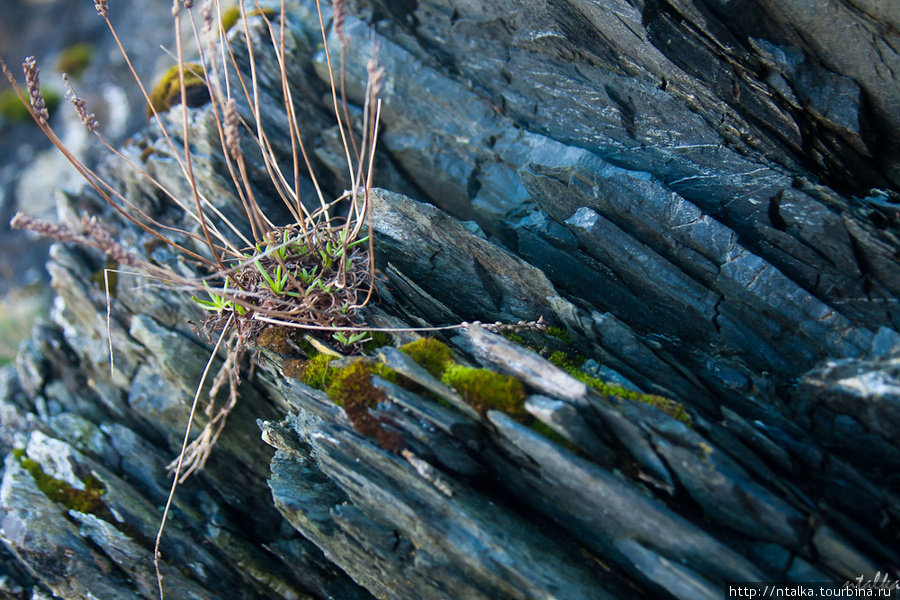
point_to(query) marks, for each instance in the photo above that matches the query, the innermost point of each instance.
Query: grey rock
(700, 195)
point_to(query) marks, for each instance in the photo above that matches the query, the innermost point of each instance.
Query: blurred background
(64, 36)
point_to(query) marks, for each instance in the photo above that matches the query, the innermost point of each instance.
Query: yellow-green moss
(486, 390)
(231, 16)
(560, 333)
(74, 59)
(87, 500)
(672, 408)
(352, 389)
(12, 108)
(315, 372)
(353, 383)
(515, 338)
(379, 340)
(167, 92)
(432, 355)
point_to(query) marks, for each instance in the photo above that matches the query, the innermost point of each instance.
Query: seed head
(33, 84)
(88, 119)
(376, 76)
(232, 131)
(339, 9)
(101, 7)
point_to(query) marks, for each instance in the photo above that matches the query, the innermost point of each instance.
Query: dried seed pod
(33, 84)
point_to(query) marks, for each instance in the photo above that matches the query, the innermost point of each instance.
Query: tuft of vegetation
(167, 91)
(89, 500)
(74, 59)
(486, 390)
(430, 354)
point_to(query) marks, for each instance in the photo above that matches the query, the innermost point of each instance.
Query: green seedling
(217, 303)
(307, 276)
(277, 283)
(346, 340)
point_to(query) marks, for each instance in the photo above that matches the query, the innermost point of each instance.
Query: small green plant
(349, 340)
(276, 283)
(218, 303)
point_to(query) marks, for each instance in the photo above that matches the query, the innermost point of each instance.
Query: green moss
(87, 500)
(379, 339)
(353, 383)
(352, 389)
(672, 408)
(231, 16)
(305, 347)
(515, 338)
(167, 92)
(315, 372)
(432, 355)
(561, 334)
(12, 108)
(74, 59)
(486, 390)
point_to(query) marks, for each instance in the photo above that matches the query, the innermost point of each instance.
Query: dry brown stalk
(314, 274)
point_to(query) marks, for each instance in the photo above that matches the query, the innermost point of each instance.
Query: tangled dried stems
(314, 273)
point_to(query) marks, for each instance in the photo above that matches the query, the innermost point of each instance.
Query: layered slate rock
(685, 194)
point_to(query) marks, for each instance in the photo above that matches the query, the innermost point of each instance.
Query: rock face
(701, 199)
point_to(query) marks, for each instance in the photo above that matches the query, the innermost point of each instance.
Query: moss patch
(231, 16)
(486, 390)
(74, 59)
(167, 92)
(316, 372)
(674, 409)
(561, 334)
(379, 339)
(87, 500)
(353, 383)
(430, 354)
(352, 389)
(12, 108)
